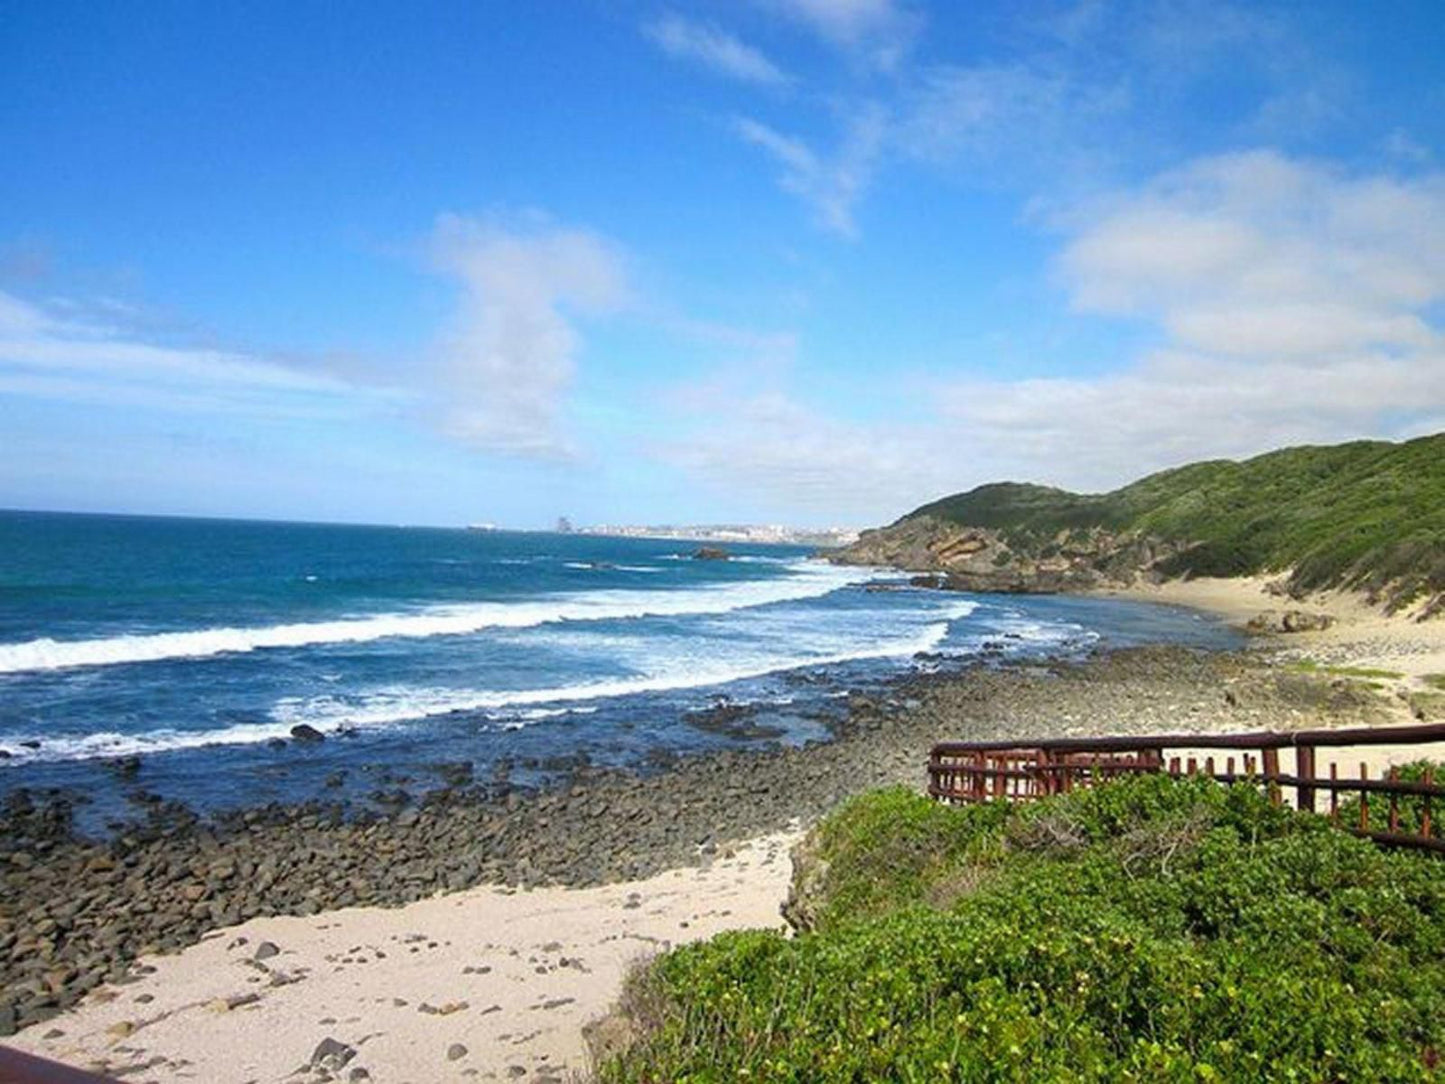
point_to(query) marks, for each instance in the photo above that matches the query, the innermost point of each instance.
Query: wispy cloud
(801, 464)
(878, 32)
(1095, 92)
(715, 49)
(507, 362)
(830, 186)
(62, 351)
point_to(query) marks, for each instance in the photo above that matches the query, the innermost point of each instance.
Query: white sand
(513, 977)
(1362, 636)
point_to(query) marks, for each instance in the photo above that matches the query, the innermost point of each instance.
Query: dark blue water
(199, 644)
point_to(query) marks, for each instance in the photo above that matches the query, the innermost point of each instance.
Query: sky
(776, 261)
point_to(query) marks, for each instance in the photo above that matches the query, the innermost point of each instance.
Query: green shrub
(1147, 930)
(1410, 810)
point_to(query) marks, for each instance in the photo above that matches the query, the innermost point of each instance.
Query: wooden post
(1271, 774)
(1193, 768)
(1334, 793)
(1429, 778)
(1229, 766)
(1364, 799)
(1305, 769)
(1394, 802)
(1208, 765)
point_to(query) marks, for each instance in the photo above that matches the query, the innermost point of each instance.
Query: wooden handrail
(1260, 739)
(1014, 771)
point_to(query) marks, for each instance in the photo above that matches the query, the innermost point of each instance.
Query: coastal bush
(1409, 811)
(1146, 930)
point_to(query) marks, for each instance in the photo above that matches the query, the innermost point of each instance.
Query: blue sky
(807, 261)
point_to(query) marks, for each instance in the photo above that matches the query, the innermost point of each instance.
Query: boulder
(307, 734)
(1301, 621)
(710, 553)
(809, 884)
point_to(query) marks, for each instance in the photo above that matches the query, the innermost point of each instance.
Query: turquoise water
(199, 644)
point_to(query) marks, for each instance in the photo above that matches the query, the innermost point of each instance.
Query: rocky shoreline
(77, 914)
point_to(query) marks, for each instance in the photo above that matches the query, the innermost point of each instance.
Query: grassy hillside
(1147, 930)
(1368, 515)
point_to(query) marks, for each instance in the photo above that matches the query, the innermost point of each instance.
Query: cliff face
(987, 559)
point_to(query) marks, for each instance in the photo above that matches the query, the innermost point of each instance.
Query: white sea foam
(515, 708)
(809, 580)
(113, 744)
(392, 706)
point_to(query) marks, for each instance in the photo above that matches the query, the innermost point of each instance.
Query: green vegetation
(1409, 811)
(1367, 515)
(1147, 930)
(1310, 666)
(1435, 681)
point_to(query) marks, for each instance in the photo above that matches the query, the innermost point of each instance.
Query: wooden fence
(1022, 771)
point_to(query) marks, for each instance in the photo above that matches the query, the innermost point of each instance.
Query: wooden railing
(1022, 771)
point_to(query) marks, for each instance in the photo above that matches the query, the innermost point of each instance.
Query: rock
(265, 950)
(456, 1052)
(358, 1073)
(1291, 621)
(127, 767)
(807, 887)
(732, 721)
(331, 1055)
(307, 734)
(710, 553)
(1301, 621)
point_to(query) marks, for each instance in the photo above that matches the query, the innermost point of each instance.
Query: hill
(1366, 516)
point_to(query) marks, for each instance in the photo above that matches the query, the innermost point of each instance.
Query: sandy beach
(489, 983)
(492, 982)
(1361, 635)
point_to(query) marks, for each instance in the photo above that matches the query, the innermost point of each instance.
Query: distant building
(774, 533)
(564, 525)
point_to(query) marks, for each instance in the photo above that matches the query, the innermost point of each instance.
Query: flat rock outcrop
(964, 558)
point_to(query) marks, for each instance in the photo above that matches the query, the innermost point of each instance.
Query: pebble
(265, 950)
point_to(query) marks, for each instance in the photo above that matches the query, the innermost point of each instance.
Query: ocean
(198, 645)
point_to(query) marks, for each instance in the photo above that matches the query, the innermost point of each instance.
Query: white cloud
(879, 32)
(1296, 303)
(1258, 255)
(714, 48)
(50, 352)
(799, 464)
(507, 362)
(831, 187)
